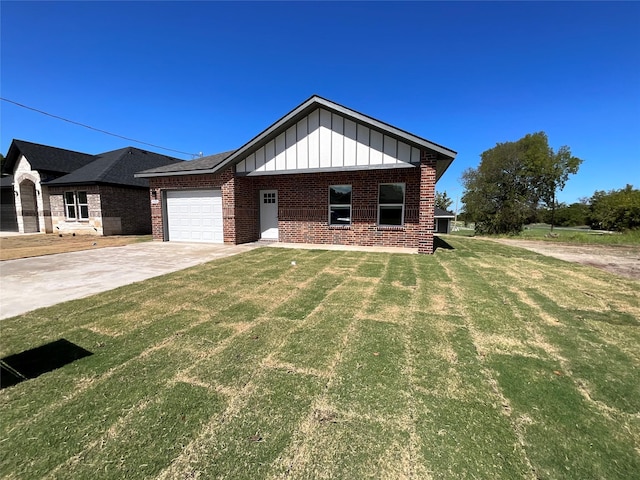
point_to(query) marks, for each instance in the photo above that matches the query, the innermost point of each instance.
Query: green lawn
(567, 235)
(481, 361)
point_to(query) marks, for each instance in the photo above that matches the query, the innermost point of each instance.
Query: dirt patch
(25, 246)
(623, 260)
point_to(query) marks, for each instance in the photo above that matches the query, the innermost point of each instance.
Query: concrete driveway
(30, 283)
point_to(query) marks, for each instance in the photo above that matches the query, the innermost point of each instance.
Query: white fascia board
(353, 168)
(172, 174)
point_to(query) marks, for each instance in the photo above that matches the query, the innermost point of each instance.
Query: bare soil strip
(618, 259)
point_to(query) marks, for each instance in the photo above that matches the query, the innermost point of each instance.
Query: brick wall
(125, 211)
(113, 210)
(60, 224)
(427, 201)
(223, 180)
(303, 205)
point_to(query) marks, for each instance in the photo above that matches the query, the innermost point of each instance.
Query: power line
(98, 129)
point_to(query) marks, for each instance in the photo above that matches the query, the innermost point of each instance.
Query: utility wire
(194, 155)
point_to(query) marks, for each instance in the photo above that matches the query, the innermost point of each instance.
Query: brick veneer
(303, 205)
(113, 210)
(427, 201)
(223, 180)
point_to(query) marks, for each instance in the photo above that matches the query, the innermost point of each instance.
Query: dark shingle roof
(204, 163)
(439, 212)
(45, 158)
(117, 167)
(6, 181)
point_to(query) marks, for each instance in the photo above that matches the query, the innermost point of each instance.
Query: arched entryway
(29, 207)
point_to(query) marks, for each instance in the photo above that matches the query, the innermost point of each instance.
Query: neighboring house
(443, 220)
(322, 174)
(57, 190)
(8, 220)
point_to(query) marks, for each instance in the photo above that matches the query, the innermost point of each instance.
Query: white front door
(269, 214)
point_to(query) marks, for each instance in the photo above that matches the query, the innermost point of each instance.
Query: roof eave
(174, 173)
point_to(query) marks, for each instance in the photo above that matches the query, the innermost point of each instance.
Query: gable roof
(116, 167)
(441, 213)
(45, 158)
(444, 155)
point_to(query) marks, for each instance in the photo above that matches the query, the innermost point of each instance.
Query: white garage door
(195, 216)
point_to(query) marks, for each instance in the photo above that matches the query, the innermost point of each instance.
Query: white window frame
(340, 205)
(76, 206)
(404, 194)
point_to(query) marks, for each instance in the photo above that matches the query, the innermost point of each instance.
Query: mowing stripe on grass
(433, 402)
(467, 439)
(565, 436)
(604, 367)
(66, 430)
(245, 446)
(147, 443)
(110, 357)
(401, 269)
(307, 299)
(240, 358)
(348, 448)
(314, 345)
(445, 359)
(371, 269)
(369, 378)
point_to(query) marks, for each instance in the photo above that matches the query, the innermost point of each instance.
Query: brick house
(62, 191)
(322, 174)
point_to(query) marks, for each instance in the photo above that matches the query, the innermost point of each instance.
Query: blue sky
(208, 76)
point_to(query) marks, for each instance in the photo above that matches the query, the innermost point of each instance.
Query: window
(269, 197)
(340, 205)
(76, 205)
(391, 204)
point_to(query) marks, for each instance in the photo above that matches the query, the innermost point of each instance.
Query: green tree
(443, 201)
(574, 215)
(513, 180)
(616, 210)
(503, 193)
(554, 170)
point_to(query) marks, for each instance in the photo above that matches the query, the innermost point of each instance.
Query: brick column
(155, 199)
(427, 201)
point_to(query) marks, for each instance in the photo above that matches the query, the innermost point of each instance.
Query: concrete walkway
(347, 248)
(30, 283)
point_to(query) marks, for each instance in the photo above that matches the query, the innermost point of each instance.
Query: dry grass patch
(24, 246)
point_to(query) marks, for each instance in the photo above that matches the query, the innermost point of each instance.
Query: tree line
(517, 183)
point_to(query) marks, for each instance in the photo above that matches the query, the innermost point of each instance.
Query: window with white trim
(391, 204)
(340, 205)
(76, 205)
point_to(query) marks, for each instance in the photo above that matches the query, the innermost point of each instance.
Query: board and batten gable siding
(326, 140)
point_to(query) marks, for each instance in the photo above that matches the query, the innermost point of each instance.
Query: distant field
(568, 235)
(483, 361)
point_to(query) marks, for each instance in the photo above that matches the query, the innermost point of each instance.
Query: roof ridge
(17, 141)
(111, 165)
